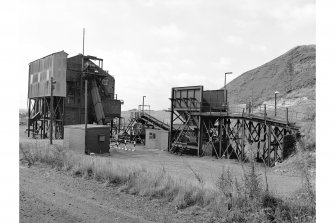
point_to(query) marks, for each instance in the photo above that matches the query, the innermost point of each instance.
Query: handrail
(279, 113)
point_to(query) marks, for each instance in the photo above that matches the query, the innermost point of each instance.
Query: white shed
(156, 139)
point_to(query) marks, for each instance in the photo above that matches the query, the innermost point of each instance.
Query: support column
(29, 105)
(171, 121)
(200, 136)
(242, 140)
(63, 118)
(277, 144)
(44, 111)
(269, 145)
(220, 137)
(259, 139)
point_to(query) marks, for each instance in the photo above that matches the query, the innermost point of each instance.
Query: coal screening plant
(56, 95)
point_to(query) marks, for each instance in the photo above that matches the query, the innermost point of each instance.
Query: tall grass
(231, 200)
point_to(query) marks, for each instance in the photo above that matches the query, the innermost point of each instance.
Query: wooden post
(287, 116)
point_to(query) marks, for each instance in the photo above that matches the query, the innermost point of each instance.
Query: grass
(230, 200)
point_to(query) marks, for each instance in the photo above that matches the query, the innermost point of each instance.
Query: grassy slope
(292, 74)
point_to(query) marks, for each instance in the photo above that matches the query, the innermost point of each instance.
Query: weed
(195, 173)
(231, 201)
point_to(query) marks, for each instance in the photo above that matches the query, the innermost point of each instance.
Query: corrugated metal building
(69, 75)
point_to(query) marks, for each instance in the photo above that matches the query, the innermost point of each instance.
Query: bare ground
(50, 196)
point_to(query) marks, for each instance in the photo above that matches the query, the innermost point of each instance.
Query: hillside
(292, 74)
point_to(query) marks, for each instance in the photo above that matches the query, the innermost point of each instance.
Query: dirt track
(50, 196)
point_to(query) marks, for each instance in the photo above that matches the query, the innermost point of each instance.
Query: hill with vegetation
(292, 74)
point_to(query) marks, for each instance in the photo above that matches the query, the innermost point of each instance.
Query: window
(152, 135)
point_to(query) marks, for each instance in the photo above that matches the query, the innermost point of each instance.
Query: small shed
(156, 139)
(97, 138)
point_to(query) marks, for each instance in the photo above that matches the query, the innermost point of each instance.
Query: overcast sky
(151, 46)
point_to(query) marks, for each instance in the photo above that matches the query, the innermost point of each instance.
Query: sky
(151, 46)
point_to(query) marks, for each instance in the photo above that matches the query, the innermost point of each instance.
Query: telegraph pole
(143, 104)
(225, 78)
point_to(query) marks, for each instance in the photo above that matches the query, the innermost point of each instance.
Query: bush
(308, 136)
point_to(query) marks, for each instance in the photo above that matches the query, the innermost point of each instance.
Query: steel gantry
(202, 121)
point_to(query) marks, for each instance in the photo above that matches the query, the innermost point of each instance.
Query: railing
(279, 113)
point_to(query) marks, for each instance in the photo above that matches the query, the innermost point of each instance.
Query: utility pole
(51, 107)
(143, 104)
(276, 102)
(225, 78)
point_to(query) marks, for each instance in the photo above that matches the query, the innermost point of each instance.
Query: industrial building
(156, 139)
(210, 126)
(56, 85)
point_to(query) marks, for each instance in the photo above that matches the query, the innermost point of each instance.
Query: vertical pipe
(143, 105)
(85, 104)
(225, 80)
(81, 78)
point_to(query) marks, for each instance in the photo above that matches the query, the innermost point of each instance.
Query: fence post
(264, 111)
(287, 115)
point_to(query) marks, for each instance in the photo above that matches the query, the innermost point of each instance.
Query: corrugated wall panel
(40, 72)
